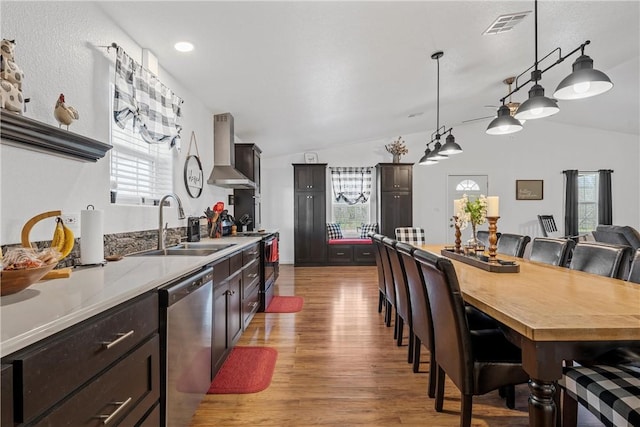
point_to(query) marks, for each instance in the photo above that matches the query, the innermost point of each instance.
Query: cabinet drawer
(220, 271)
(235, 263)
(250, 306)
(363, 253)
(56, 367)
(251, 253)
(130, 388)
(340, 253)
(251, 276)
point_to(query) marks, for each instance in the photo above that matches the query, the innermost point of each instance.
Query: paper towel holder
(96, 264)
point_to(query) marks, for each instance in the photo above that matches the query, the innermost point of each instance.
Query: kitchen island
(63, 322)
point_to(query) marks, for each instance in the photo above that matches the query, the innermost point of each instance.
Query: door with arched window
(458, 185)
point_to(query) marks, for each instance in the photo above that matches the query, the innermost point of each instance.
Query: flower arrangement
(471, 211)
(397, 148)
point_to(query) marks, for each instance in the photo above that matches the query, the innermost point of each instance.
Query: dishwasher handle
(182, 288)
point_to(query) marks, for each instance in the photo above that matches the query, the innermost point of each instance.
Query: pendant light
(504, 123)
(584, 82)
(538, 105)
(440, 152)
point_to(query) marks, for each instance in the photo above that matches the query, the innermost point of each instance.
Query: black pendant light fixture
(439, 152)
(582, 83)
(505, 122)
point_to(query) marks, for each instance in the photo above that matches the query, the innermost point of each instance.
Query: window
(141, 173)
(468, 185)
(587, 201)
(351, 203)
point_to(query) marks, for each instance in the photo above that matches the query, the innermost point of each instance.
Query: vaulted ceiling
(302, 75)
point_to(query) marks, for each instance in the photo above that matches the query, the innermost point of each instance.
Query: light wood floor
(338, 365)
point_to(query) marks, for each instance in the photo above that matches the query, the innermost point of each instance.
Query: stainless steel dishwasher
(185, 345)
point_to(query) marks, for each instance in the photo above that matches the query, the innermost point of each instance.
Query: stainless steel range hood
(224, 173)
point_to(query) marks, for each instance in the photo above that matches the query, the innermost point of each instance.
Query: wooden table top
(547, 303)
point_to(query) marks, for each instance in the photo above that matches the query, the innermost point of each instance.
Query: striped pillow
(334, 231)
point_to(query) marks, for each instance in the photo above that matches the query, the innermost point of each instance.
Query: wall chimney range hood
(224, 173)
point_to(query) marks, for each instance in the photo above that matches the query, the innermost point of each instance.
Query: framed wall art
(529, 189)
(311, 157)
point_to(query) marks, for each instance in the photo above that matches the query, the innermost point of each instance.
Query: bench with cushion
(350, 251)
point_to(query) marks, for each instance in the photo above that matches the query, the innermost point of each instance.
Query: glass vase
(473, 242)
(396, 158)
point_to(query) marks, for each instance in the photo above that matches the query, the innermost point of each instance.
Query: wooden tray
(477, 262)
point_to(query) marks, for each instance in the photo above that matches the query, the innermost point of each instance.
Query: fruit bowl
(13, 281)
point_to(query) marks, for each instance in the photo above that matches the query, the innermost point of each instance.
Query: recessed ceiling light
(183, 46)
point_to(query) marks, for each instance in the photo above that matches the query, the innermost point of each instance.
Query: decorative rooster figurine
(64, 114)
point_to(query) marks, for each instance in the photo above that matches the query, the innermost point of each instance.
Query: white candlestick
(493, 206)
(457, 206)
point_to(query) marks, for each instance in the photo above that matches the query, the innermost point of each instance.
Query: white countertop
(50, 306)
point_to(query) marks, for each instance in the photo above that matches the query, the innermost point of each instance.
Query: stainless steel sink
(196, 245)
(186, 249)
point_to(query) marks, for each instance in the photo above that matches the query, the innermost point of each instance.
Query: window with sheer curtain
(351, 190)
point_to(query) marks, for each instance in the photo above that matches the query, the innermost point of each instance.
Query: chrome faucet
(162, 232)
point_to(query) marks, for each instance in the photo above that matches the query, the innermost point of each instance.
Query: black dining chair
(420, 313)
(403, 306)
(601, 258)
(512, 244)
(477, 362)
(634, 271)
(551, 251)
(377, 243)
(390, 293)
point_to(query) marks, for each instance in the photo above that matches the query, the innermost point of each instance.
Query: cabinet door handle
(253, 276)
(366, 253)
(121, 337)
(254, 304)
(106, 419)
(339, 253)
(252, 253)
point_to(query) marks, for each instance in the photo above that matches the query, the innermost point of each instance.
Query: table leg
(542, 407)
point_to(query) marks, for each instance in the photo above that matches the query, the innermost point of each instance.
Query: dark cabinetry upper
(247, 202)
(247, 157)
(309, 214)
(395, 196)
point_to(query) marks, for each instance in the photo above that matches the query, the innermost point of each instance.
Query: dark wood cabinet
(395, 196)
(310, 214)
(247, 158)
(227, 308)
(251, 280)
(6, 396)
(81, 371)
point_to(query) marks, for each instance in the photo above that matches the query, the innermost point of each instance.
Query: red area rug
(246, 370)
(284, 304)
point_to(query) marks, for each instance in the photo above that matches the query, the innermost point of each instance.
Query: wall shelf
(30, 134)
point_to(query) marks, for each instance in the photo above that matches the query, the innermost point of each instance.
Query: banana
(58, 236)
(68, 241)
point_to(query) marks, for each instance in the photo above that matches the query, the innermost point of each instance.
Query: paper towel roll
(91, 237)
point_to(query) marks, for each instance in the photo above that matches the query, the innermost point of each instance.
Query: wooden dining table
(553, 314)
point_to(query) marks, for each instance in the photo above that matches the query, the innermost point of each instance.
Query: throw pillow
(334, 231)
(365, 229)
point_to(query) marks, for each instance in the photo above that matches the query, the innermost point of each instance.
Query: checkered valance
(351, 184)
(141, 97)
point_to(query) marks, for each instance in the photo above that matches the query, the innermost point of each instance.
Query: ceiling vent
(505, 23)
